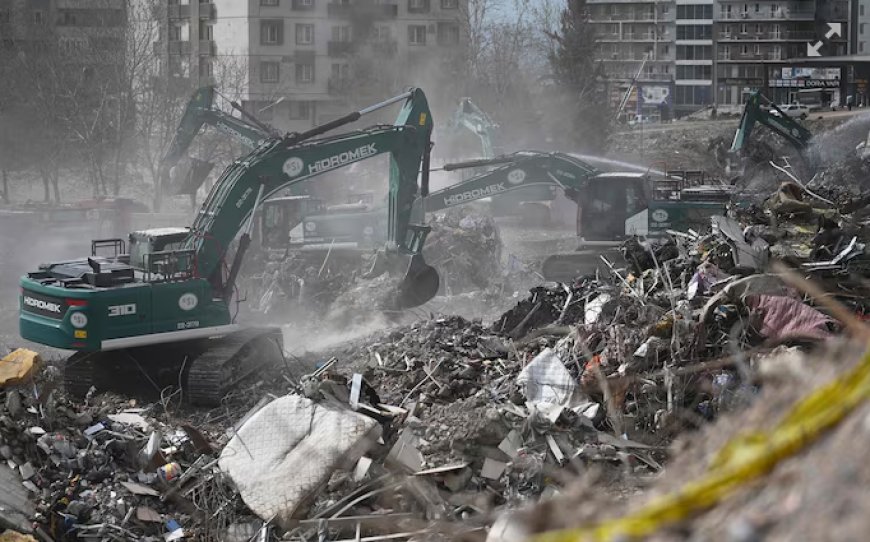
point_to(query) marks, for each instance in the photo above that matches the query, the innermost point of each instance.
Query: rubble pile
(466, 249)
(425, 429)
(107, 469)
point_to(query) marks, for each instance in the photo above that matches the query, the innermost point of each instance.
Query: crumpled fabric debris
(546, 380)
(789, 318)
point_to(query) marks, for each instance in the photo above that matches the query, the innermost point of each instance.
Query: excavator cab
(609, 204)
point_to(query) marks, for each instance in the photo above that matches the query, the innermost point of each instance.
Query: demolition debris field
(573, 403)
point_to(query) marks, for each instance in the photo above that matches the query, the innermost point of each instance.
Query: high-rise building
(307, 60)
(693, 75)
(753, 38)
(83, 30)
(636, 41)
(186, 41)
(684, 55)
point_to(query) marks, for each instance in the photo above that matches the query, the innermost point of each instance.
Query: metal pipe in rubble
(293, 139)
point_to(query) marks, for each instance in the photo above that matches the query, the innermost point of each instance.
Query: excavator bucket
(419, 285)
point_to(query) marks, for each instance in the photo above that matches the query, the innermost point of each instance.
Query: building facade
(185, 41)
(714, 52)
(308, 61)
(754, 38)
(636, 41)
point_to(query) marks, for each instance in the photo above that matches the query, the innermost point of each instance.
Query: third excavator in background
(611, 206)
(163, 299)
(760, 110)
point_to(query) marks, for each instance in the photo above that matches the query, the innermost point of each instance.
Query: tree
(579, 78)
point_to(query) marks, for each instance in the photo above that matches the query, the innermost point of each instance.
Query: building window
(695, 11)
(380, 33)
(861, 46)
(744, 50)
(304, 73)
(695, 72)
(269, 2)
(341, 33)
(418, 6)
(861, 28)
(38, 17)
(272, 32)
(692, 95)
(743, 28)
(449, 4)
(861, 9)
(299, 110)
(304, 34)
(694, 32)
(270, 71)
(206, 68)
(417, 34)
(448, 33)
(205, 31)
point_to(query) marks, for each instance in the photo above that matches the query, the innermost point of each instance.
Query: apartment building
(308, 61)
(186, 41)
(693, 74)
(717, 51)
(754, 37)
(636, 39)
(85, 31)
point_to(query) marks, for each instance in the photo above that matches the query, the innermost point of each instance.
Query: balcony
(179, 47)
(208, 11)
(376, 11)
(637, 17)
(791, 35)
(207, 48)
(179, 11)
(338, 86)
(339, 48)
(801, 14)
(643, 77)
(644, 37)
(386, 48)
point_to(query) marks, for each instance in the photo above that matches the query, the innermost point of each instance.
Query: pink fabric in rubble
(789, 318)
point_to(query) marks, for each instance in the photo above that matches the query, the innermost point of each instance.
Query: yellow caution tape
(746, 457)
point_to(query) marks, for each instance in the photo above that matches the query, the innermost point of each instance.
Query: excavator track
(228, 360)
(80, 373)
(205, 368)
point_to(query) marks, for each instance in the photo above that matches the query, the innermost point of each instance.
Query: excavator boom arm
(476, 121)
(198, 112)
(515, 171)
(277, 165)
(782, 124)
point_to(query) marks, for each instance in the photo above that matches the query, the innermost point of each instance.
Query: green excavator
(164, 297)
(760, 110)
(529, 202)
(611, 206)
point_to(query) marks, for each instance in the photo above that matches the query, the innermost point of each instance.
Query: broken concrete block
(18, 366)
(288, 449)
